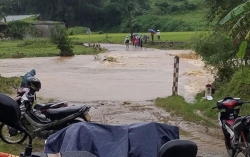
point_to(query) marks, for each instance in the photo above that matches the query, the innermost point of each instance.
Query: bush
(60, 37)
(238, 86)
(143, 23)
(217, 50)
(17, 29)
(100, 32)
(77, 30)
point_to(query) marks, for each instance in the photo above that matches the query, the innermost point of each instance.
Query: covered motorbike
(10, 114)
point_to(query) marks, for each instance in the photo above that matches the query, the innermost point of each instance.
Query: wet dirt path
(136, 76)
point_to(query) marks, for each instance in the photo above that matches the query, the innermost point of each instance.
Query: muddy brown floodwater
(122, 91)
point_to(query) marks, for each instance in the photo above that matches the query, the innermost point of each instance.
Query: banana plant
(241, 29)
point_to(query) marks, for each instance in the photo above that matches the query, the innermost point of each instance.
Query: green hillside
(170, 16)
(114, 15)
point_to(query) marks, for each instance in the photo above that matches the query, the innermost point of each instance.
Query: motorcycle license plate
(87, 116)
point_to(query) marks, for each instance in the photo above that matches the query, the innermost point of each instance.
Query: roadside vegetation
(39, 48)
(6, 84)
(117, 15)
(118, 38)
(201, 111)
(226, 52)
(16, 149)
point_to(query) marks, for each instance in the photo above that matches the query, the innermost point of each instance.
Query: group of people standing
(138, 41)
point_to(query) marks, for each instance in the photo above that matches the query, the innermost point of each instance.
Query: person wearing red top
(152, 36)
(133, 40)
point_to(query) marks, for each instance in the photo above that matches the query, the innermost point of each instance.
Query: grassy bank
(118, 38)
(189, 112)
(16, 149)
(200, 111)
(37, 48)
(6, 84)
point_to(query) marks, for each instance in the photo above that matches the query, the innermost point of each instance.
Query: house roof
(10, 18)
(16, 17)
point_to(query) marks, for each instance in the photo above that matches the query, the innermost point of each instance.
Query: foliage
(17, 29)
(2, 14)
(16, 149)
(242, 50)
(166, 7)
(107, 15)
(218, 9)
(144, 22)
(77, 30)
(37, 48)
(6, 84)
(238, 86)
(118, 38)
(60, 37)
(178, 106)
(217, 51)
(240, 29)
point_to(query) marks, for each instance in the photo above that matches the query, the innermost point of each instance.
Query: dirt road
(123, 91)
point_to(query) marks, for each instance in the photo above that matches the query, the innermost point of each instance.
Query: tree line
(93, 14)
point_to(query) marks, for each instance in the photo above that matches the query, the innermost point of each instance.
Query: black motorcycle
(228, 116)
(41, 125)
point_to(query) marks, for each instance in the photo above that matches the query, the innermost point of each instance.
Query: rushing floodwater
(138, 74)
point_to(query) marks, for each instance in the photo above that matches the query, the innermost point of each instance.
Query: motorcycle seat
(60, 113)
(42, 106)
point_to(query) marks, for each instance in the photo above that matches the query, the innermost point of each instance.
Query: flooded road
(122, 91)
(137, 75)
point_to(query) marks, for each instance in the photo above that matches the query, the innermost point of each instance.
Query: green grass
(177, 105)
(6, 84)
(238, 86)
(16, 149)
(119, 37)
(37, 48)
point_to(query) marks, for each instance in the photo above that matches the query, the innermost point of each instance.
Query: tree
(2, 14)
(217, 9)
(60, 37)
(241, 29)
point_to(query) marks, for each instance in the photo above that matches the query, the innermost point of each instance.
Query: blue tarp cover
(134, 140)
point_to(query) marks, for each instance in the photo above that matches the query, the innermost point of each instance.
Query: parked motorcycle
(41, 125)
(228, 116)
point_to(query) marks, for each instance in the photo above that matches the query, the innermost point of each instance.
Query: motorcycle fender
(80, 119)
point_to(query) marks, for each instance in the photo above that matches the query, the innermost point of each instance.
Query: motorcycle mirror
(179, 148)
(209, 98)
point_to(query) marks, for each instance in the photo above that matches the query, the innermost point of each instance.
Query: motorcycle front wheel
(11, 136)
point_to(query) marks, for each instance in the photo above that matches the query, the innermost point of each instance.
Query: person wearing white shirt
(158, 34)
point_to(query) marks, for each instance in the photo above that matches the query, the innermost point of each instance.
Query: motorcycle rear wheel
(5, 136)
(231, 152)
